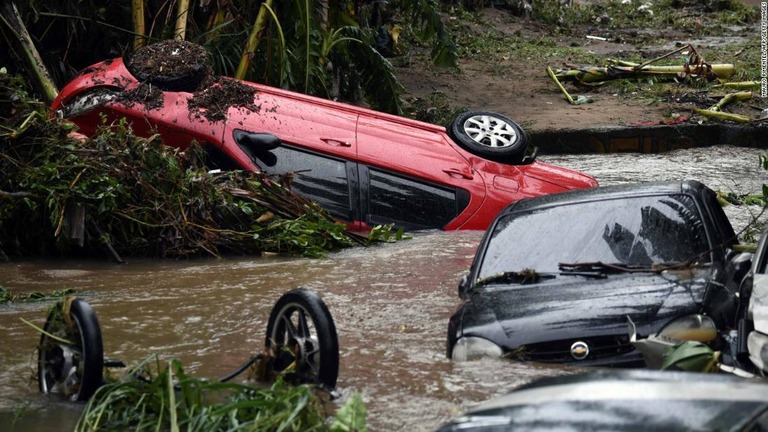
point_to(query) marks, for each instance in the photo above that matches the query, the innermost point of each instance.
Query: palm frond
(425, 13)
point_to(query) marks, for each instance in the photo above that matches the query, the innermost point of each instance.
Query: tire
(76, 370)
(313, 346)
(171, 65)
(489, 135)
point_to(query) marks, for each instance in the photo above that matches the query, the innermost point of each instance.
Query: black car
(610, 400)
(557, 278)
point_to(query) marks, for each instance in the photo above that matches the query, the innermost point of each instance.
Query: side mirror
(739, 264)
(258, 145)
(255, 141)
(463, 286)
(531, 157)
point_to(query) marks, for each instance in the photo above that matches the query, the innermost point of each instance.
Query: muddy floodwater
(390, 302)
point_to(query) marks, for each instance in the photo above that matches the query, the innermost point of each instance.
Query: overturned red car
(364, 167)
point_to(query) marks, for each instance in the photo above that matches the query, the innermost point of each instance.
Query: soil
(166, 60)
(519, 87)
(185, 66)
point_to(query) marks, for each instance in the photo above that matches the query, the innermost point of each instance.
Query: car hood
(575, 306)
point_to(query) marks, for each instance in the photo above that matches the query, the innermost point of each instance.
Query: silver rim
(295, 331)
(62, 365)
(491, 131)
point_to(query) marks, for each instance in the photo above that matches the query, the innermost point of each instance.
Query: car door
(318, 152)
(412, 177)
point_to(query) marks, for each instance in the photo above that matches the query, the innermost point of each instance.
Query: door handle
(457, 173)
(335, 142)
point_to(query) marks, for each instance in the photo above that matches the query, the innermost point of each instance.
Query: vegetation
(329, 48)
(118, 193)
(9, 296)
(636, 14)
(154, 397)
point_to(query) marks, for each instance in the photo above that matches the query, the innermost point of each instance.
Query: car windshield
(636, 231)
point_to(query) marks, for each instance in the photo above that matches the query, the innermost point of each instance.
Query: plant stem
(10, 16)
(253, 40)
(138, 24)
(181, 20)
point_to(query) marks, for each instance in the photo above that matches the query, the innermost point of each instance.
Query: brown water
(390, 302)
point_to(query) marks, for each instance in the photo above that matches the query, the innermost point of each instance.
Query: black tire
(301, 328)
(489, 135)
(189, 68)
(76, 370)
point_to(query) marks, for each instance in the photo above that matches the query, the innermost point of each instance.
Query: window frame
(461, 199)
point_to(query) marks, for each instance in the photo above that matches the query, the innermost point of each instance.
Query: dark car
(365, 167)
(611, 400)
(557, 278)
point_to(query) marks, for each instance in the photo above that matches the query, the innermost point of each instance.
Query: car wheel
(302, 338)
(171, 65)
(489, 135)
(70, 357)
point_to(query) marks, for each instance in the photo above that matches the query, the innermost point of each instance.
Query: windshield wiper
(523, 277)
(601, 269)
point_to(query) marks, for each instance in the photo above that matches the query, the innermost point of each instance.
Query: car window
(633, 231)
(410, 203)
(217, 159)
(322, 179)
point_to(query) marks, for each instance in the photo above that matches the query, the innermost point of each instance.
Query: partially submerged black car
(557, 278)
(640, 400)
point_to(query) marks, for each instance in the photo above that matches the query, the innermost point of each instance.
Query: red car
(365, 167)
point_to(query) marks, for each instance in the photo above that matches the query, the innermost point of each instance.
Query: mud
(168, 59)
(174, 65)
(512, 78)
(213, 101)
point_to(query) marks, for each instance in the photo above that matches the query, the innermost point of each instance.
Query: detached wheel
(302, 338)
(489, 135)
(171, 65)
(73, 368)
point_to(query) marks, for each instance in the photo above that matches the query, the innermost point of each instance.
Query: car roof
(622, 400)
(607, 192)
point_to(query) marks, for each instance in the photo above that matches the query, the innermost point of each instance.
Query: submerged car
(611, 400)
(557, 278)
(365, 167)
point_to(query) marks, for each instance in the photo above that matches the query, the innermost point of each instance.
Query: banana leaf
(690, 356)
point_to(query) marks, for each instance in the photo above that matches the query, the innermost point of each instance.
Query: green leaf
(351, 416)
(690, 356)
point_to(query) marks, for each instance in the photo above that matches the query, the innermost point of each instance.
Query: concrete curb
(648, 139)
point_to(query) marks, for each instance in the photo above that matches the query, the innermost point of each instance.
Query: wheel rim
(62, 364)
(295, 336)
(491, 131)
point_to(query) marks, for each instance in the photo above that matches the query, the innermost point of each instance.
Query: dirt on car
(185, 66)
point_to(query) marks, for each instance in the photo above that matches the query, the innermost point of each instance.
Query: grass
(687, 16)
(156, 396)
(9, 296)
